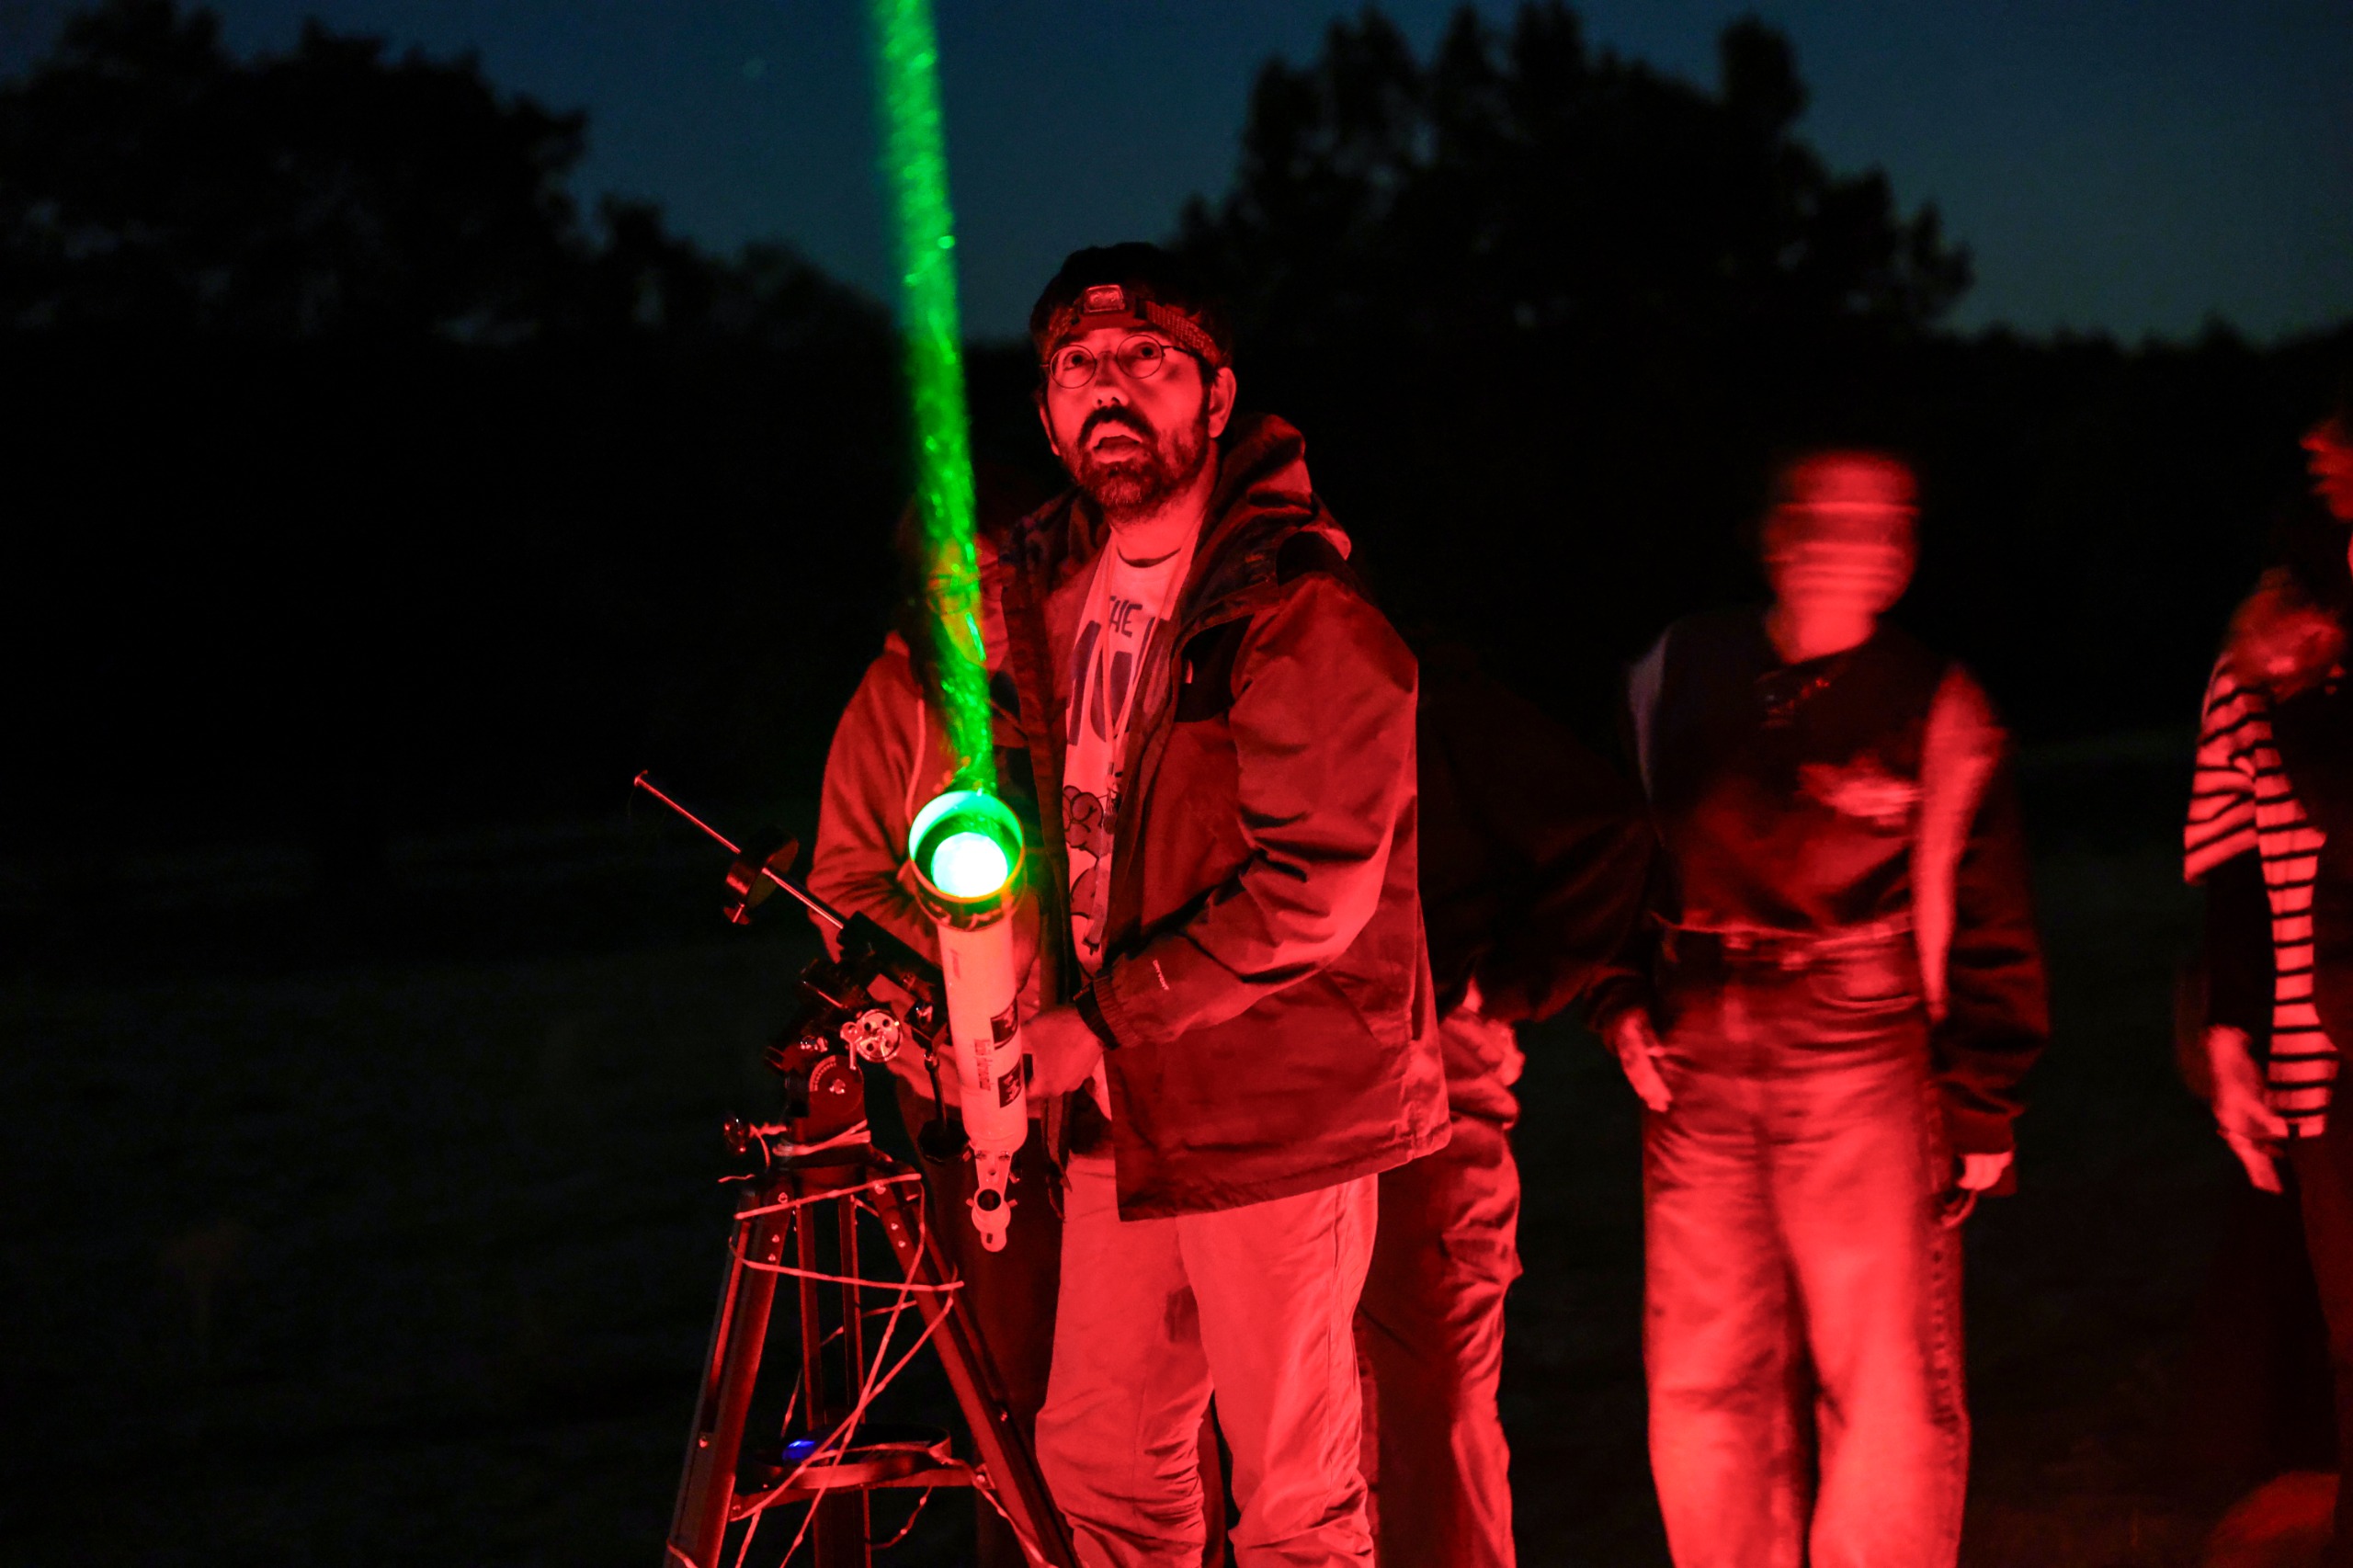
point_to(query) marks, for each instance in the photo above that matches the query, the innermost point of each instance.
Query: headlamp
(1130, 305)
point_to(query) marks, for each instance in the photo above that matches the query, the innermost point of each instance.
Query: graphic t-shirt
(1127, 606)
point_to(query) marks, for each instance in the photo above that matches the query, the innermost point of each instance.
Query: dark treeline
(1548, 319)
(361, 482)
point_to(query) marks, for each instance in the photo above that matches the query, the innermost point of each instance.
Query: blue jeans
(1802, 1326)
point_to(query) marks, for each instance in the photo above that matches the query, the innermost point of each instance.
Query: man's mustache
(1119, 417)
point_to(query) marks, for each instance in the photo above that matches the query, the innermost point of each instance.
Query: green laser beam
(914, 163)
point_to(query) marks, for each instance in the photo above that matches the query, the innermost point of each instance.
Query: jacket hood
(1262, 473)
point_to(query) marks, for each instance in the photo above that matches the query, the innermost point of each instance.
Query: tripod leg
(707, 1490)
(840, 1530)
(1004, 1452)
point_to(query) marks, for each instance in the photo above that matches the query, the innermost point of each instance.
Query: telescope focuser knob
(874, 1035)
(737, 1134)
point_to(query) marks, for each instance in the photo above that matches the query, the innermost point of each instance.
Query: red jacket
(891, 754)
(1267, 981)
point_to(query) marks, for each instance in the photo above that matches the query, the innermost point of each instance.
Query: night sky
(2126, 165)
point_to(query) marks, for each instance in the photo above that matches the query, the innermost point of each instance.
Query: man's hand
(1062, 1051)
(2249, 1126)
(1980, 1172)
(1629, 1035)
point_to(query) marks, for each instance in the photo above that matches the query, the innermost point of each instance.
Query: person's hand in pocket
(1636, 1045)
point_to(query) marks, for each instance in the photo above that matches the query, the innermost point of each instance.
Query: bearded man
(1828, 1045)
(1230, 928)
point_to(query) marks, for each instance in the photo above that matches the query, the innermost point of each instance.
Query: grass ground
(411, 1261)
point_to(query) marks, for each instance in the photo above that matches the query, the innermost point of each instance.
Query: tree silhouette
(1520, 185)
(1547, 316)
(371, 483)
(149, 180)
(367, 483)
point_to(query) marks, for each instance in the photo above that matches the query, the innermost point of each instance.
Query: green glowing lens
(969, 865)
(967, 844)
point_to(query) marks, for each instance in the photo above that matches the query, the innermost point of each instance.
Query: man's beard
(1140, 479)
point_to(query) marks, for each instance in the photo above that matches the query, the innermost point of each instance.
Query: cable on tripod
(985, 1484)
(873, 1381)
(754, 1529)
(822, 1278)
(874, 1384)
(860, 1135)
(922, 1231)
(922, 1502)
(877, 1185)
(836, 1442)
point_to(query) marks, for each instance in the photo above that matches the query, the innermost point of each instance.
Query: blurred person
(1533, 856)
(2270, 837)
(1241, 1007)
(1844, 992)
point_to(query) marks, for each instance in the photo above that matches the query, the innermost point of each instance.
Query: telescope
(816, 1174)
(965, 847)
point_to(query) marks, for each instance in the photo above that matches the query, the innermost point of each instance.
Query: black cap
(1134, 284)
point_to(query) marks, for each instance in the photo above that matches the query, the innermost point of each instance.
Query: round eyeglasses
(1140, 358)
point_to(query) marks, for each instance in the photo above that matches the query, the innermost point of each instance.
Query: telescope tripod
(832, 1458)
(874, 999)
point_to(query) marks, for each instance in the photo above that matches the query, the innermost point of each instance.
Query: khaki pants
(1254, 1304)
(1431, 1326)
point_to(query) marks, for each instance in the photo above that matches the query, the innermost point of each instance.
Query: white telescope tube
(966, 848)
(992, 1070)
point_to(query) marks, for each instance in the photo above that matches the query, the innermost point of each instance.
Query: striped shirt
(2241, 801)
